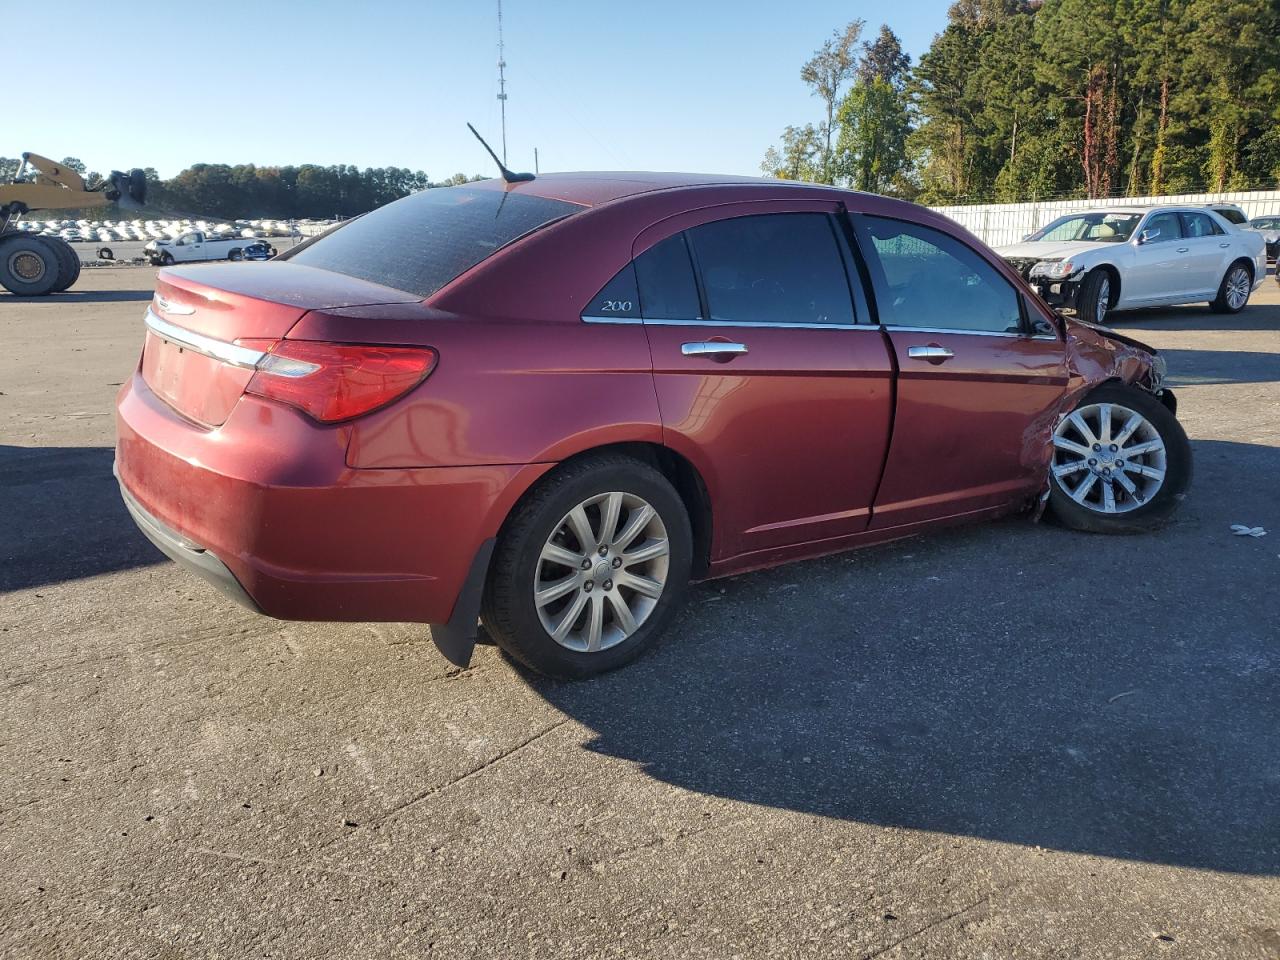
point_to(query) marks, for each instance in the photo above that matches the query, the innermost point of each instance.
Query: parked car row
(1091, 262)
(551, 403)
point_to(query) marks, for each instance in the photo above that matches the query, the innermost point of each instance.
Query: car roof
(593, 188)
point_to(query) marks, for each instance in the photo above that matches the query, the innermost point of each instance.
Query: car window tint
(1199, 225)
(617, 299)
(1167, 224)
(929, 279)
(1230, 215)
(773, 268)
(668, 290)
(420, 243)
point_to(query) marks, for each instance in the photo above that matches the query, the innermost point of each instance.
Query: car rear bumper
(266, 508)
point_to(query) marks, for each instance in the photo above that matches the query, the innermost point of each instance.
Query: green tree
(871, 152)
(800, 157)
(826, 72)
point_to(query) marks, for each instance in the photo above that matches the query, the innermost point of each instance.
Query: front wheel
(1121, 463)
(1233, 292)
(590, 568)
(1094, 300)
(166, 259)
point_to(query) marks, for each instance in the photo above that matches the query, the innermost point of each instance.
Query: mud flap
(456, 640)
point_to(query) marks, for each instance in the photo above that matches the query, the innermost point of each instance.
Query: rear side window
(668, 290)
(657, 285)
(1230, 214)
(926, 278)
(778, 268)
(1200, 225)
(420, 243)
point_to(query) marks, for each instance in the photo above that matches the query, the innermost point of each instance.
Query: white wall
(1002, 223)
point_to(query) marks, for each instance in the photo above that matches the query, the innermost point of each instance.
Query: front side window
(1161, 228)
(1199, 225)
(777, 268)
(926, 278)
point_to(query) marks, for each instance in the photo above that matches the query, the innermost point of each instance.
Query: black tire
(1221, 303)
(105, 253)
(1090, 295)
(1177, 470)
(138, 185)
(68, 261)
(508, 608)
(236, 254)
(29, 267)
(166, 259)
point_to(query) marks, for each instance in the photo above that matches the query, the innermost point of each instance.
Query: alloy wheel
(1104, 300)
(1108, 458)
(1238, 288)
(602, 571)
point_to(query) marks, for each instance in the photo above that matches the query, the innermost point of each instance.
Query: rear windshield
(420, 243)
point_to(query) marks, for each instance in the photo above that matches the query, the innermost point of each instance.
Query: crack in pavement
(935, 923)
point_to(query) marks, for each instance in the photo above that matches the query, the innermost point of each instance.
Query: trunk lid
(200, 311)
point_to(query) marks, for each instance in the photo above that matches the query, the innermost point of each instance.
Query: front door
(1160, 261)
(768, 378)
(976, 389)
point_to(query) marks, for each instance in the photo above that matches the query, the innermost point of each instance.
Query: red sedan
(549, 405)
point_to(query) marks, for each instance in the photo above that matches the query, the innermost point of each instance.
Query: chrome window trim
(728, 323)
(231, 353)
(899, 328)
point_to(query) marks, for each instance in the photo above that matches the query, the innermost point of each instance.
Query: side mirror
(1146, 236)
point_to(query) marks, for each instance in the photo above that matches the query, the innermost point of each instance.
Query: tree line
(244, 190)
(1020, 100)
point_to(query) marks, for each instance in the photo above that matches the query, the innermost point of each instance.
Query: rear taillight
(338, 381)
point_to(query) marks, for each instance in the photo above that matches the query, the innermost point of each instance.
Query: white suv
(1094, 261)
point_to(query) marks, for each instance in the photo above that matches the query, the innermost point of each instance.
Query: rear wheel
(590, 569)
(236, 254)
(68, 263)
(1121, 463)
(1233, 292)
(29, 267)
(104, 253)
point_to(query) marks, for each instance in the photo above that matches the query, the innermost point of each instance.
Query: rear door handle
(1183, 249)
(713, 348)
(933, 353)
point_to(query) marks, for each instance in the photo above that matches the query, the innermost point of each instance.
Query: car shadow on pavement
(1110, 696)
(85, 296)
(63, 517)
(1257, 317)
(1202, 367)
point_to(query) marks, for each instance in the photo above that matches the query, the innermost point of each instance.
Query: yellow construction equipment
(32, 265)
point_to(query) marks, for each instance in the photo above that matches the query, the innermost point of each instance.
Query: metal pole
(502, 85)
(535, 160)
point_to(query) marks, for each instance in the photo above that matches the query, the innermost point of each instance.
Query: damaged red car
(549, 405)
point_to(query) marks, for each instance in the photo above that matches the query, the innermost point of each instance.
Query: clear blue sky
(695, 85)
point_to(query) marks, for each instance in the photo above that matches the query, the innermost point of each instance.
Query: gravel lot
(1001, 741)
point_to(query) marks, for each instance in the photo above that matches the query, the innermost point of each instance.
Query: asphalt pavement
(1000, 741)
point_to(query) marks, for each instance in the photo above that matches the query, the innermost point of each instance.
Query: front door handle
(1225, 246)
(716, 349)
(1183, 249)
(933, 353)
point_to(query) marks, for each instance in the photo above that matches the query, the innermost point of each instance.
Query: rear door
(768, 376)
(1207, 255)
(976, 384)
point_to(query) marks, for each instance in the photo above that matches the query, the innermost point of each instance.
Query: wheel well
(682, 474)
(1114, 296)
(1246, 262)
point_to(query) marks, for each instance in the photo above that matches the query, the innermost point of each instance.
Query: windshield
(420, 243)
(1109, 227)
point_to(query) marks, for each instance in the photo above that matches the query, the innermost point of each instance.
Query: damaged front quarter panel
(1094, 355)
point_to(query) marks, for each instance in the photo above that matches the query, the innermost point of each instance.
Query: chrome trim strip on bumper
(231, 353)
